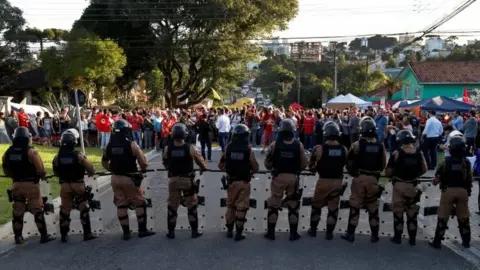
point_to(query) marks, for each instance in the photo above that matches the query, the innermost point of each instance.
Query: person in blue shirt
(457, 121)
(431, 137)
(157, 125)
(381, 121)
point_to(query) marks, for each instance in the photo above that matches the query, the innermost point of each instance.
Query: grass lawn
(47, 154)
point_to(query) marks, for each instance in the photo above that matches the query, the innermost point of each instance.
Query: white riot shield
(385, 211)
(429, 203)
(29, 226)
(182, 212)
(132, 215)
(96, 211)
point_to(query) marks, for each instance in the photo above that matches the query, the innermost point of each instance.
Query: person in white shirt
(449, 134)
(431, 137)
(223, 126)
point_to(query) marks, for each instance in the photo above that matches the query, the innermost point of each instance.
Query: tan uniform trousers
(454, 197)
(403, 201)
(178, 186)
(238, 199)
(125, 194)
(364, 191)
(70, 193)
(283, 184)
(26, 195)
(327, 193)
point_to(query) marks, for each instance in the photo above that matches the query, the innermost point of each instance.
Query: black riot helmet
(179, 131)
(21, 137)
(287, 129)
(68, 140)
(457, 146)
(405, 137)
(241, 133)
(331, 131)
(122, 126)
(368, 127)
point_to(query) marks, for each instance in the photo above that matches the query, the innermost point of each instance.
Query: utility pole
(300, 55)
(366, 77)
(335, 90)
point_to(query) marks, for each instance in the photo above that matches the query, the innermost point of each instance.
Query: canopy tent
(295, 106)
(403, 103)
(341, 102)
(440, 104)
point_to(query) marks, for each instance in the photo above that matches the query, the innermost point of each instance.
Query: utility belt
(34, 180)
(399, 180)
(78, 181)
(137, 177)
(227, 180)
(368, 173)
(184, 175)
(275, 173)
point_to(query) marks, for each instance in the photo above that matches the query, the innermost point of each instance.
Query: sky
(316, 18)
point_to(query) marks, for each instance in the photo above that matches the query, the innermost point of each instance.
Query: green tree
(53, 65)
(13, 52)
(154, 83)
(393, 85)
(197, 45)
(391, 63)
(35, 35)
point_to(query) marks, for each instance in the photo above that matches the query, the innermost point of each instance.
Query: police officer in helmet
(286, 158)
(23, 164)
(178, 158)
(121, 156)
(240, 164)
(404, 167)
(366, 160)
(328, 160)
(70, 166)
(455, 178)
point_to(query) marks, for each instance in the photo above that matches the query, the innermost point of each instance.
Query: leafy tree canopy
(377, 42)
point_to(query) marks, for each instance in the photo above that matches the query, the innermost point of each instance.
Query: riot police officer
(455, 177)
(328, 160)
(404, 167)
(120, 157)
(286, 158)
(240, 164)
(366, 160)
(23, 164)
(70, 166)
(178, 158)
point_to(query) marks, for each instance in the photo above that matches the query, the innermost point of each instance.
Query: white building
(435, 43)
(278, 46)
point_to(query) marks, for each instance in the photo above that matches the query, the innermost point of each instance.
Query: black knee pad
(39, 217)
(123, 217)
(17, 219)
(333, 214)
(398, 218)
(193, 210)
(374, 215)
(172, 212)
(272, 211)
(316, 211)
(64, 217)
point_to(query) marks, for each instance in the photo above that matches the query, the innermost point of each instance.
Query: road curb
(103, 187)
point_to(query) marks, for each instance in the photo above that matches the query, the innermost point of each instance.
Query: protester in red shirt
(308, 128)
(136, 120)
(104, 126)
(23, 119)
(268, 121)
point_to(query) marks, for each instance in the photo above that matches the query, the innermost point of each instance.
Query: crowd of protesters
(151, 126)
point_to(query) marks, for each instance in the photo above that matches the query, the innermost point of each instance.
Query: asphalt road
(214, 251)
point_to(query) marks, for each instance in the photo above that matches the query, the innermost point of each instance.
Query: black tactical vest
(286, 157)
(238, 165)
(122, 159)
(68, 167)
(180, 162)
(333, 160)
(408, 165)
(370, 156)
(455, 172)
(21, 168)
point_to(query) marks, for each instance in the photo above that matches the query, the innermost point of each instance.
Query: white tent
(346, 101)
(401, 102)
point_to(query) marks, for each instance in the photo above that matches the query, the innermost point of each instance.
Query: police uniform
(328, 160)
(240, 164)
(455, 177)
(23, 164)
(366, 160)
(286, 158)
(178, 158)
(404, 167)
(70, 166)
(120, 157)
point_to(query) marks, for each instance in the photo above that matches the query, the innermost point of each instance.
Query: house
(439, 78)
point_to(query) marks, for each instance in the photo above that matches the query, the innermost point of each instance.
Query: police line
(212, 205)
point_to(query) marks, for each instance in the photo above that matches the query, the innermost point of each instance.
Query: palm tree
(393, 85)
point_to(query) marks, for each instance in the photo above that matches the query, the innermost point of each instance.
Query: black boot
(436, 243)
(397, 237)
(229, 230)
(45, 238)
(350, 234)
(313, 229)
(293, 232)
(18, 237)
(439, 233)
(142, 230)
(329, 232)
(126, 232)
(87, 232)
(42, 229)
(239, 235)
(271, 231)
(171, 231)
(412, 241)
(195, 232)
(374, 237)
(64, 234)
(465, 232)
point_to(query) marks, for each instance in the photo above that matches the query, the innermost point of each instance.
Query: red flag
(465, 95)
